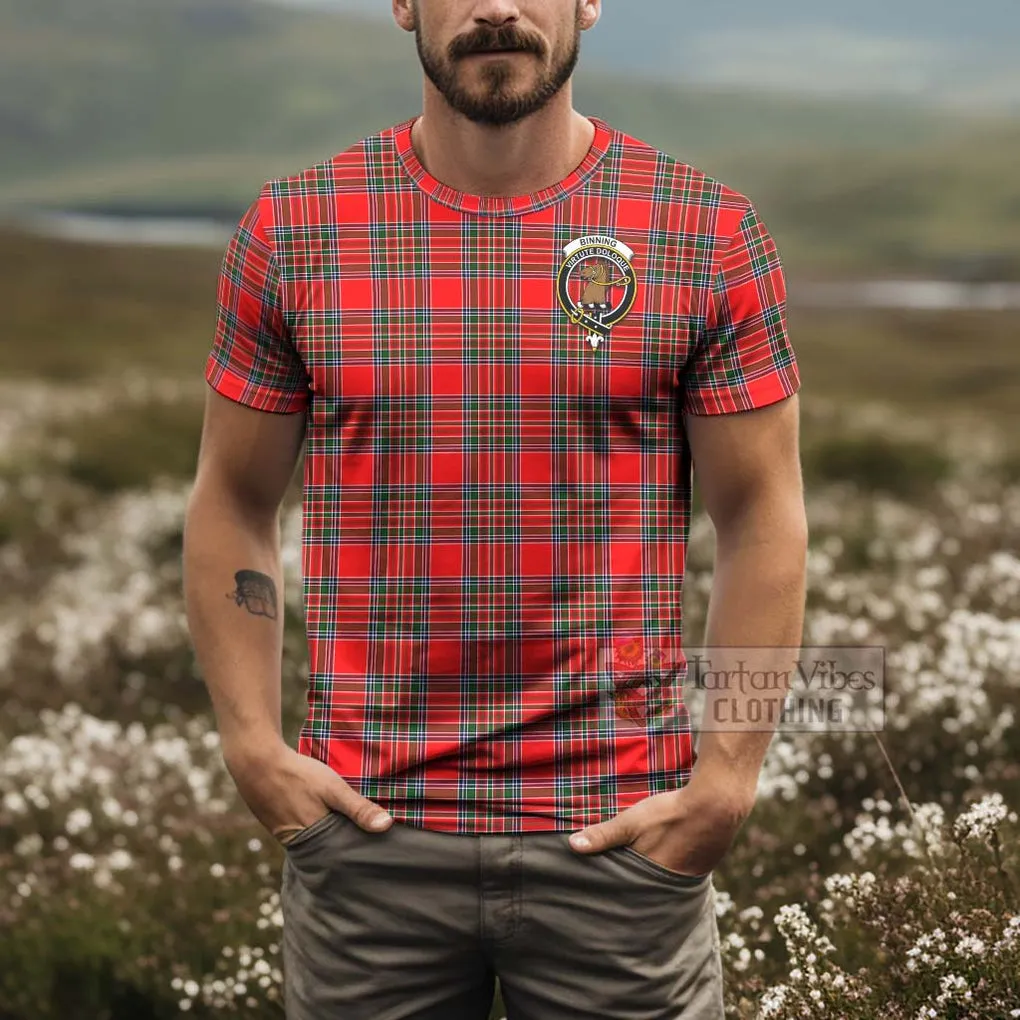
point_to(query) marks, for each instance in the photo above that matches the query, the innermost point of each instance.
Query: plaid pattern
(496, 514)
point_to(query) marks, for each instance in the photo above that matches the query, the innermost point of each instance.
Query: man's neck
(519, 159)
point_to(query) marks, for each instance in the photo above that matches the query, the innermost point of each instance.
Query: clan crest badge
(597, 285)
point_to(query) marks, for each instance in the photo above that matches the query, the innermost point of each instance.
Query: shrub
(877, 464)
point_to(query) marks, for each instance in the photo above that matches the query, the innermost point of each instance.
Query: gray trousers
(413, 924)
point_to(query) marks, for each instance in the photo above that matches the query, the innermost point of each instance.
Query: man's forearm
(233, 591)
(756, 614)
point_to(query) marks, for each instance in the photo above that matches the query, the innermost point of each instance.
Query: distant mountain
(942, 50)
(188, 106)
(200, 100)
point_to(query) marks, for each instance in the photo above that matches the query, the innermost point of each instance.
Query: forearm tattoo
(256, 592)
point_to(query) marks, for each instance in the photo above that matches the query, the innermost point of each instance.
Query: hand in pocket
(290, 792)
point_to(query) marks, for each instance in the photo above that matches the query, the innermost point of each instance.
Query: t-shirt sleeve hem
(769, 389)
(262, 398)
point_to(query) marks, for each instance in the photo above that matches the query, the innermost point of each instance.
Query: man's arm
(233, 583)
(233, 588)
(747, 466)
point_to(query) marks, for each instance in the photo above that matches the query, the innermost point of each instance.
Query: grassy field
(134, 884)
(89, 312)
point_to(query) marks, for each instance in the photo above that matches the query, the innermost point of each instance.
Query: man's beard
(500, 104)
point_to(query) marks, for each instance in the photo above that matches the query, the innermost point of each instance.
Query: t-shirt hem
(770, 389)
(229, 384)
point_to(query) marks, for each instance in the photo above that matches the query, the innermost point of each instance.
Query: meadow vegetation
(133, 883)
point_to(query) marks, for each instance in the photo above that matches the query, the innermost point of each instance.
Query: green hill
(940, 50)
(206, 97)
(191, 105)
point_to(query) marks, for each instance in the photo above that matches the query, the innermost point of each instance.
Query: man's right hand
(287, 791)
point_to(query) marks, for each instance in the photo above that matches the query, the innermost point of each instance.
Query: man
(505, 331)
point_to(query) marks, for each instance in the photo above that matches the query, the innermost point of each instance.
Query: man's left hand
(687, 830)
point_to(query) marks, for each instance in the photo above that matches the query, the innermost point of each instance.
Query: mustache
(484, 39)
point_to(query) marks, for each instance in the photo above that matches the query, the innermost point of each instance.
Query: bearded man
(497, 776)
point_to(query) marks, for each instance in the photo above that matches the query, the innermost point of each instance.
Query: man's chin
(496, 118)
(496, 111)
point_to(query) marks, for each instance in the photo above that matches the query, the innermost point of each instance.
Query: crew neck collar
(500, 205)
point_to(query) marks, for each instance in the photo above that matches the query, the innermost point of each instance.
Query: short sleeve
(743, 358)
(253, 360)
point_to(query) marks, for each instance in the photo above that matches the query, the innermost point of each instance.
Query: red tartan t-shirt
(497, 478)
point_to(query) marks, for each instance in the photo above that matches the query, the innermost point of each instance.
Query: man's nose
(497, 12)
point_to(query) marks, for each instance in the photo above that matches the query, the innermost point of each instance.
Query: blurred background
(880, 142)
